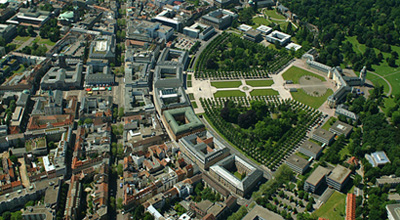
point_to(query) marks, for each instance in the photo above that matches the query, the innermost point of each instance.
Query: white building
(280, 37)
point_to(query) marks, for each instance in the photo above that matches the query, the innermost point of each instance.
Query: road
(267, 173)
(118, 95)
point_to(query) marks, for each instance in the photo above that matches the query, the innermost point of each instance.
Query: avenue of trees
(375, 23)
(266, 129)
(230, 56)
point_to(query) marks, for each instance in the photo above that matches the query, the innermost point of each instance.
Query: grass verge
(230, 93)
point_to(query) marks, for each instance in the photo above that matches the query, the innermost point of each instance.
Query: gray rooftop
(323, 133)
(297, 161)
(317, 175)
(394, 209)
(341, 127)
(259, 212)
(339, 174)
(311, 146)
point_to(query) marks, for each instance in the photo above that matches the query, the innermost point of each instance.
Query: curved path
(390, 86)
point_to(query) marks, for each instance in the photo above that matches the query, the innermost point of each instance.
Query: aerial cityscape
(199, 109)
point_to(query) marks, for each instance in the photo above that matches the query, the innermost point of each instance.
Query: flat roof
(323, 133)
(380, 157)
(311, 146)
(297, 161)
(341, 127)
(259, 212)
(339, 174)
(317, 175)
(193, 121)
(394, 209)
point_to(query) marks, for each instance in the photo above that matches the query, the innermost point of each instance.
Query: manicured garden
(263, 92)
(229, 93)
(295, 73)
(311, 101)
(247, 124)
(230, 57)
(259, 83)
(226, 84)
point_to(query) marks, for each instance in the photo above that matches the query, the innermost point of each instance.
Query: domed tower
(363, 75)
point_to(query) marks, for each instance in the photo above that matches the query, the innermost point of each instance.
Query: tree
(120, 150)
(119, 203)
(14, 159)
(357, 180)
(51, 145)
(2, 42)
(121, 112)
(6, 215)
(112, 202)
(88, 121)
(120, 169)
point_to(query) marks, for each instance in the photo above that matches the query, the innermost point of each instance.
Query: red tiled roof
(351, 207)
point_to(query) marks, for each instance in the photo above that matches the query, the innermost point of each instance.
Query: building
(350, 206)
(30, 17)
(338, 178)
(137, 101)
(96, 107)
(224, 3)
(341, 128)
(323, 136)
(181, 122)
(316, 179)
(99, 75)
(258, 213)
(202, 149)
(49, 105)
(252, 35)
(173, 57)
(298, 164)
(170, 18)
(103, 47)
(72, 205)
(342, 110)
(265, 30)
(310, 149)
(393, 211)
(388, 180)
(227, 170)
(377, 159)
(137, 75)
(38, 213)
(279, 37)
(293, 46)
(63, 77)
(244, 27)
(198, 30)
(219, 19)
(147, 31)
(8, 31)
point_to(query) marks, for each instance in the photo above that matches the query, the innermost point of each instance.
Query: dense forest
(374, 23)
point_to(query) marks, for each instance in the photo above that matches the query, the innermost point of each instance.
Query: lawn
(295, 73)
(329, 123)
(334, 208)
(344, 152)
(40, 41)
(263, 92)
(274, 14)
(189, 77)
(259, 83)
(312, 101)
(194, 104)
(389, 102)
(226, 84)
(239, 176)
(392, 74)
(229, 93)
(19, 38)
(261, 21)
(189, 84)
(191, 96)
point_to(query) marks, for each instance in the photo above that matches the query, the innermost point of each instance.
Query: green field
(226, 84)
(312, 101)
(40, 41)
(189, 84)
(334, 208)
(229, 93)
(295, 73)
(191, 96)
(327, 125)
(189, 77)
(263, 92)
(261, 21)
(389, 102)
(274, 14)
(392, 74)
(19, 38)
(194, 104)
(259, 83)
